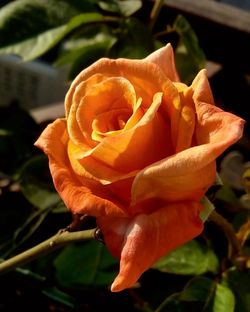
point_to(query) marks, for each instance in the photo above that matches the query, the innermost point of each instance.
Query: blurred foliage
(199, 276)
(77, 33)
(196, 258)
(88, 265)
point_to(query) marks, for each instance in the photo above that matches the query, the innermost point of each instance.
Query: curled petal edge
(80, 194)
(163, 230)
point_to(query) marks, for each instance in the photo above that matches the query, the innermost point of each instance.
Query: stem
(229, 232)
(155, 12)
(51, 244)
(163, 33)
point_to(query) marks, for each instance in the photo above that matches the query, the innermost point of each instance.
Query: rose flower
(137, 150)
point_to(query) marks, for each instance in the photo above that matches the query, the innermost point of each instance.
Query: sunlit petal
(144, 239)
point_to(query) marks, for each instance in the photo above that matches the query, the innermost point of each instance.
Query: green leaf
(227, 195)
(94, 42)
(199, 288)
(39, 195)
(131, 44)
(81, 6)
(188, 55)
(34, 47)
(215, 297)
(37, 45)
(20, 20)
(36, 183)
(91, 37)
(193, 258)
(30, 274)
(239, 283)
(171, 304)
(5, 133)
(82, 265)
(124, 8)
(60, 296)
(88, 56)
(224, 300)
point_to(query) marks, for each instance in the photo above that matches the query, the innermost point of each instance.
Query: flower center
(110, 123)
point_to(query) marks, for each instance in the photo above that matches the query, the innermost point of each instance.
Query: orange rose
(137, 150)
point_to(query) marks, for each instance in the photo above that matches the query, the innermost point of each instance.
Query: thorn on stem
(77, 223)
(99, 235)
(52, 244)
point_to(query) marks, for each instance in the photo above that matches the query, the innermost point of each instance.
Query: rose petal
(162, 231)
(214, 125)
(164, 58)
(104, 124)
(80, 194)
(72, 100)
(132, 150)
(110, 94)
(187, 120)
(174, 178)
(186, 128)
(54, 139)
(188, 174)
(90, 167)
(135, 72)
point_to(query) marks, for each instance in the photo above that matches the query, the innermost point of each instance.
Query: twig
(155, 12)
(229, 232)
(51, 244)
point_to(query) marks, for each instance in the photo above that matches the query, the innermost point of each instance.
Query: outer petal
(183, 176)
(213, 124)
(133, 70)
(80, 194)
(146, 238)
(164, 58)
(188, 174)
(72, 100)
(147, 78)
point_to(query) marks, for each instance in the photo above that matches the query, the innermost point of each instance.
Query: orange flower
(137, 150)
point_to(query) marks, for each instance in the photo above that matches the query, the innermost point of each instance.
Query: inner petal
(138, 113)
(109, 123)
(114, 93)
(72, 100)
(134, 149)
